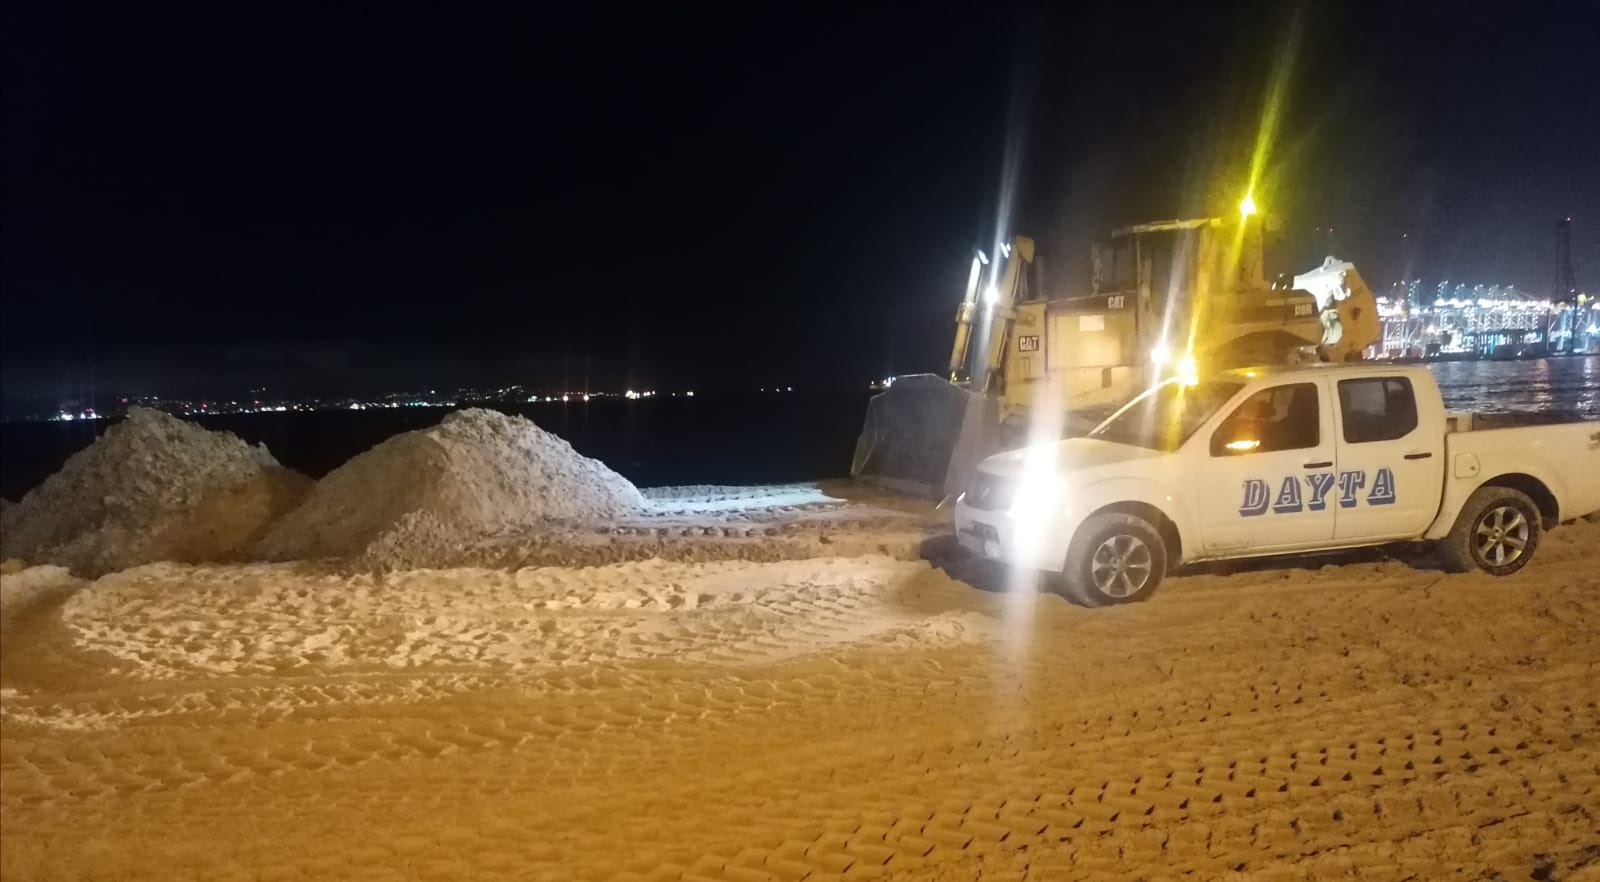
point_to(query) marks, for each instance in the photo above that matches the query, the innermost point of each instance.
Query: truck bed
(1563, 456)
(1466, 421)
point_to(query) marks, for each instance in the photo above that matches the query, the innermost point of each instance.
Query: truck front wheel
(1496, 531)
(1114, 558)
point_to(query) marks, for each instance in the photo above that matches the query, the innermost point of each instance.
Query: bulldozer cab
(1200, 290)
(1152, 269)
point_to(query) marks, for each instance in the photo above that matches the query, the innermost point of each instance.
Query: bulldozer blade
(925, 435)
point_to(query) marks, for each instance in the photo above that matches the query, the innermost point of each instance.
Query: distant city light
(1462, 319)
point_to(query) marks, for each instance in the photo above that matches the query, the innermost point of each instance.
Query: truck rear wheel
(1496, 531)
(1115, 558)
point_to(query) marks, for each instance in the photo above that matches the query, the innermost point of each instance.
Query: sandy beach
(858, 714)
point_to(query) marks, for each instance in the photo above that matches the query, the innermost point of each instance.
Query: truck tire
(1497, 531)
(1114, 558)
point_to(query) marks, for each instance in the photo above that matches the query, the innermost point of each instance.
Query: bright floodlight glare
(1243, 444)
(1160, 356)
(1036, 509)
(1247, 206)
(1188, 371)
(991, 295)
(1039, 490)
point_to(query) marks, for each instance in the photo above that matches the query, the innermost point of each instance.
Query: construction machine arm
(964, 314)
(1000, 301)
(997, 301)
(1348, 308)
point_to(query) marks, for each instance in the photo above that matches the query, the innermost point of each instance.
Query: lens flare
(1039, 503)
(1188, 371)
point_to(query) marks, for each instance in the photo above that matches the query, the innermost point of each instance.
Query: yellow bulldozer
(1175, 297)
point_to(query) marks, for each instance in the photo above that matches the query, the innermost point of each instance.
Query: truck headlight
(1036, 498)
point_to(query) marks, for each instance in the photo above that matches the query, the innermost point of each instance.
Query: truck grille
(991, 492)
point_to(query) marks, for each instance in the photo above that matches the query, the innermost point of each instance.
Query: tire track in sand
(1354, 722)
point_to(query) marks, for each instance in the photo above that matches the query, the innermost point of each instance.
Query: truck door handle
(1419, 455)
(1319, 465)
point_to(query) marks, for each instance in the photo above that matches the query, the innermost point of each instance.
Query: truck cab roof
(1352, 369)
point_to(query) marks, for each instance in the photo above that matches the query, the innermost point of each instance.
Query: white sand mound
(152, 488)
(21, 586)
(424, 493)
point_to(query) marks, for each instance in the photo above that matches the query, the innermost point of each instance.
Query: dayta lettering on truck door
(1259, 497)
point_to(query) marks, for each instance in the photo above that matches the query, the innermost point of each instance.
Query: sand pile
(420, 496)
(152, 488)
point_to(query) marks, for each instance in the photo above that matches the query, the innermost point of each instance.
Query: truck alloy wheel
(1496, 532)
(1502, 535)
(1120, 566)
(1114, 558)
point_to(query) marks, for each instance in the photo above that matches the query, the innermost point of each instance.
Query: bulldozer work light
(1188, 371)
(1247, 206)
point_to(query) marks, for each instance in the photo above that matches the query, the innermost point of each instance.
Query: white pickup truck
(1277, 461)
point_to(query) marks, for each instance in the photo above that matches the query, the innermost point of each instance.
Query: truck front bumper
(1038, 544)
(979, 538)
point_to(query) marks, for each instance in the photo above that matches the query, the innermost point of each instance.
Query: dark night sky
(235, 194)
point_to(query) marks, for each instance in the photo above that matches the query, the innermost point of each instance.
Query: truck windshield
(1164, 417)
